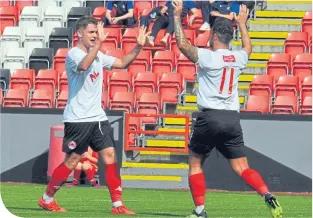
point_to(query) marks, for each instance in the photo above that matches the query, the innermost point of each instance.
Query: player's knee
(108, 155)
(239, 165)
(72, 160)
(79, 166)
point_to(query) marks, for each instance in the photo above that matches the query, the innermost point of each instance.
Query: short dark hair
(84, 21)
(223, 28)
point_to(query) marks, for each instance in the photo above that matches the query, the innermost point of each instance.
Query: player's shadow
(161, 214)
(23, 208)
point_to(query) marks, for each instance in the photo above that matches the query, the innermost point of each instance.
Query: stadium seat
(118, 53)
(306, 107)
(42, 98)
(21, 4)
(119, 82)
(5, 77)
(186, 68)
(44, 4)
(129, 38)
(306, 87)
(285, 105)
(190, 35)
(75, 13)
(202, 39)
(139, 6)
(144, 82)
(59, 60)
(53, 17)
(302, 65)
(15, 59)
(114, 36)
(10, 39)
(123, 101)
(34, 38)
(62, 99)
(5, 3)
(261, 85)
(287, 86)
(22, 79)
(16, 98)
(163, 61)
(134, 124)
(93, 5)
(69, 4)
(8, 16)
(41, 58)
(278, 65)
(170, 87)
(104, 47)
(47, 79)
(99, 12)
(107, 75)
(157, 45)
(198, 21)
(306, 23)
(160, 3)
(60, 38)
(296, 43)
(149, 103)
(104, 99)
(142, 62)
(63, 82)
(258, 103)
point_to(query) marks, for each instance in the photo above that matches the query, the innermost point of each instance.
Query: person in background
(121, 13)
(167, 22)
(226, 9)
(88, 164)
(206, 8)
(153, 15)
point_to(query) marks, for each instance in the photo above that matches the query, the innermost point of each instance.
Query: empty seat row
(298, 42)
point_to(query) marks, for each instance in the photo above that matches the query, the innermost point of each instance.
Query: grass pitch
(21, 200)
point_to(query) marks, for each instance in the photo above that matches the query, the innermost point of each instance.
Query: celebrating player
(218, 123)
(85, 121)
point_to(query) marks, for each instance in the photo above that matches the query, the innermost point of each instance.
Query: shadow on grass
(160, 214)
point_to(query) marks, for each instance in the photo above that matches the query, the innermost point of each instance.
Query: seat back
(285, 105)
(123, 101)
(287, 85)
(144, 82)
(258, 103)
(42, 98)
(170, 86)
(16, 98)
(261, 85)
(296, 43)
(119, 82)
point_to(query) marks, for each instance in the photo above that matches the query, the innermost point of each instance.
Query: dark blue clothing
(227, 7)
(187, 5)
(122, 6)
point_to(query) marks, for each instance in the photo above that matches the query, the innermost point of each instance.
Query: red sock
(59, 176)
(197, 188)
(76, 177)
(254, 179)
(113, 181)
(91, 175)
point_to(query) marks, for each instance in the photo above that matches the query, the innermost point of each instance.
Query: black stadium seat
(74, 14)
(5, 77)
(41, 58)
(93, 4)
(60, 38)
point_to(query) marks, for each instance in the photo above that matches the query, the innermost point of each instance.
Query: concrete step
(289, 5)
(281, 14)
(255, 67)
(262, 46)
(275, 25)
(267, 35)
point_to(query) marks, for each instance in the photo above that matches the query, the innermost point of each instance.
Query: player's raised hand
(101, 35)
(178, 7)
(242, 17)
(142, 36)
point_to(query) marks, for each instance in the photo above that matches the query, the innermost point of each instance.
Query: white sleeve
(242, 59)
(107, 61)
(204, 58)
(74, 58)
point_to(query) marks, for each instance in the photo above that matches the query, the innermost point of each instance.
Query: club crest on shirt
(94, 76)
(72, 145)
(229, 58)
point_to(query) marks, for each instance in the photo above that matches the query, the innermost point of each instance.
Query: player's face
(89, 35)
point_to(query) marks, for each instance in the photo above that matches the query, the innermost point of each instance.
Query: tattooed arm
(183, 44)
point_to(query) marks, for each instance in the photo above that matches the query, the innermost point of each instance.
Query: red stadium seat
(63, 82)
(203, 39)
(285, 105)
(302, 64)
(114, 36)
(170, 86)
(258, 103)
(261, 85)
(62, 99)
(307, 22)
(186, 68)
(107, 46)
(107, 75)
(144, 83)
(42, 98)
(99, 12)
(190, 35)
(149, 103)
(134, 124)
(306, 107)
(123, 101)
(296, 42)
(104, 99)
(160, 3)
(119, 82)
(20, 4)
(22, 79)
(16, 98)
(118, 53)
(129, 38)
(198, 21)
(306, 87)
(163, 61)
(278, 65)
(142, 62)
(140, 6)
(8, 16)
(47, 79)
(59, 60)
(157, 44)
(5, 3)
(287, 86)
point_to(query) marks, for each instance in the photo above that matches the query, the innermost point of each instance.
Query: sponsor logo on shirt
(94, 76)
(229, 58)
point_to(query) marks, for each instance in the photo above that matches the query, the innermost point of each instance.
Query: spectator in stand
(206, 8)
(121, 13)
(166, 21)
(153, 15)
(227, 9)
